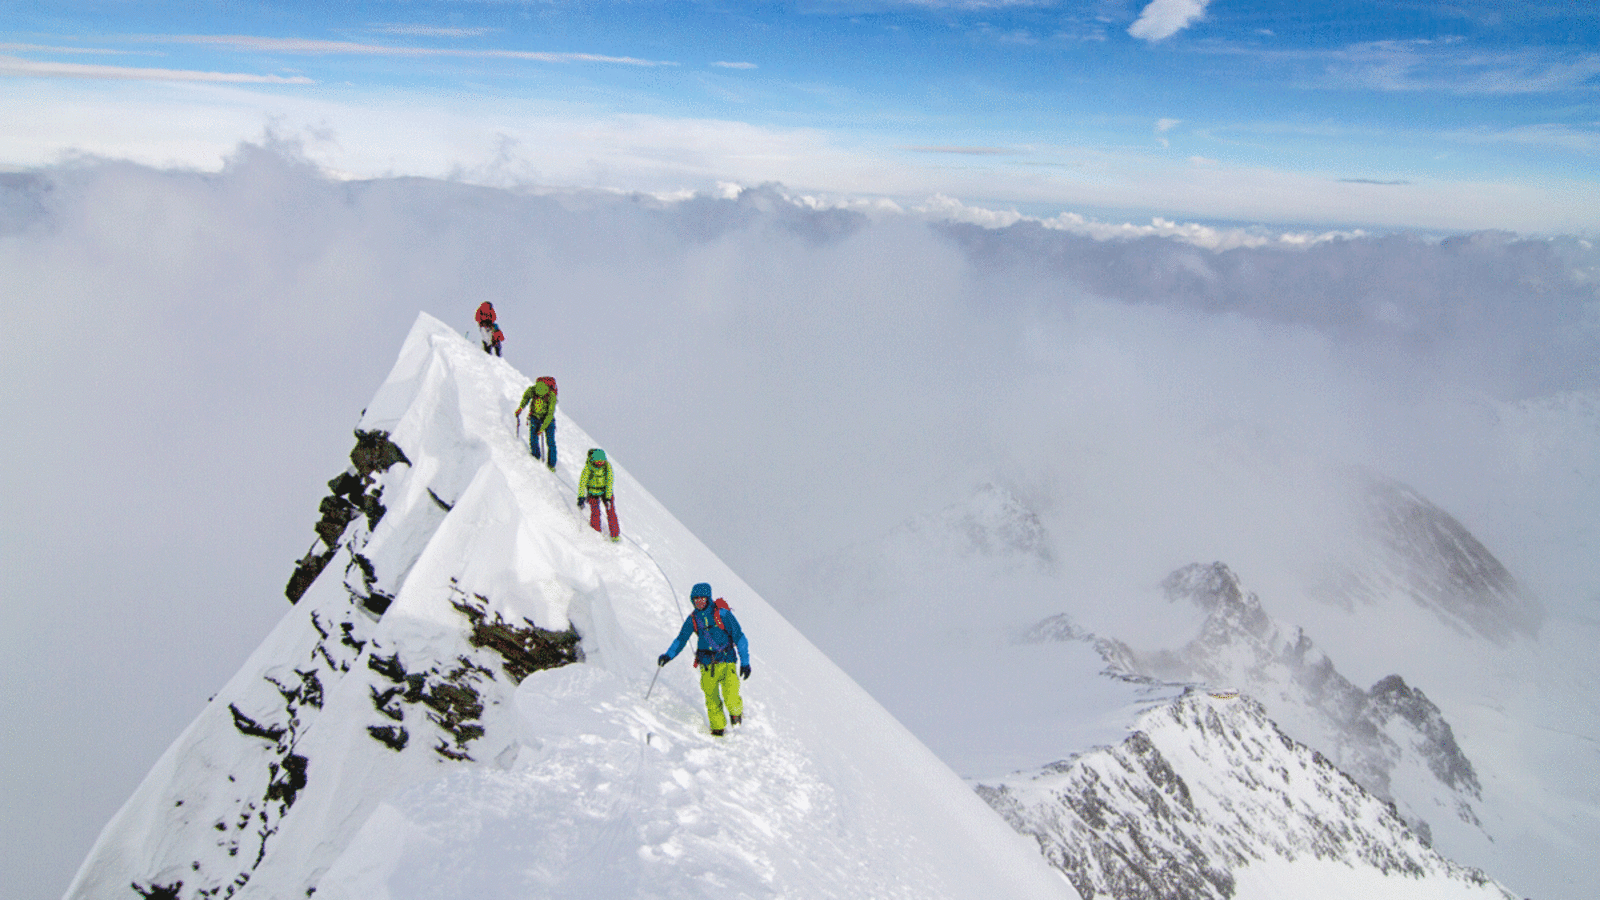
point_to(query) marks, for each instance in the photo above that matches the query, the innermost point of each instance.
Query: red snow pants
(611, 515)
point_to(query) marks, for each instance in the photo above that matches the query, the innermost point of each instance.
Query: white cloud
(1162, 127)
(352, 48)
(735, 65)
(1565, 137)
(431, 30)
(940, 208)
(39, 48)
(1449, 67)
(27, 68)
(1164, 18)
(227, 330)
(510, 142)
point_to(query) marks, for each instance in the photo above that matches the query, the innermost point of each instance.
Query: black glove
(744, 671)
(663, 659)
(580, 503)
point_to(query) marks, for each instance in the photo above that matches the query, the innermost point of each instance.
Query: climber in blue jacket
(721, 642)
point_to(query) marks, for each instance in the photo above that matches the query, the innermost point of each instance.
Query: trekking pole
(653, 682)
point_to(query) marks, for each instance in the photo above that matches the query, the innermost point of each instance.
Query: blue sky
(1454, 114)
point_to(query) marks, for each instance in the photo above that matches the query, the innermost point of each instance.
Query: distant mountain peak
(1370, 734)
(1217, 590)
(1202, 790)
(1410, 549)
(991, 522)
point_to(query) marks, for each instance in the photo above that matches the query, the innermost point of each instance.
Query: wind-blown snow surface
(393, 756)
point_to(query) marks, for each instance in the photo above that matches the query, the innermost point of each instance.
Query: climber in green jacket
(594, 488)
(540, 400)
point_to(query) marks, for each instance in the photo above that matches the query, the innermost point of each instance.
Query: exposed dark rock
(522, 649)
(247, 725)
(347, 638)
(287, 780)
(351, 493)
(392, 736)
(450, 696)
(158, 891)
(367, 593)
(308, 692)
(306, 572)
(377, 602)
(382, 702)
(336, 514)
(374, 452)
(387, 666)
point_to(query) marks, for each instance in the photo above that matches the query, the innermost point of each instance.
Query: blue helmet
(701, 590)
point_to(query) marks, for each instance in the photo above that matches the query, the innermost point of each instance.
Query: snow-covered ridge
(1206, 798)
(1391, 738)
(463, 713)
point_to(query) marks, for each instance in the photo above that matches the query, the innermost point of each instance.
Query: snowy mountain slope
(1207, 799)
(464, 715)
(1408, 549)
(1522, 714)
(1391, 739)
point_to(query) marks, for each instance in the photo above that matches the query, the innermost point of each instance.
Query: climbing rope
(676, 605)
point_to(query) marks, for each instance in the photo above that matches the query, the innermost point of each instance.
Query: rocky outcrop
(1203, 787)
(354, 492)
(1369, 734)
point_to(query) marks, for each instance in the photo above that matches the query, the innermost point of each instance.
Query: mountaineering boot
(735, 718)
(716, 732)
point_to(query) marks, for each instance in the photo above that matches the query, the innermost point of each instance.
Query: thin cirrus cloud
(1164, 18)
(27, 68)
(431, 30)
(1564, 137)
(353, 48)
(963, 151)
(91, 51)
(1395, 66)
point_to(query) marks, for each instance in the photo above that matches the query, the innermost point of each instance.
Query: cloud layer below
(188, 352)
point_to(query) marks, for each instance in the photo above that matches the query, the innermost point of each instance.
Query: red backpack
(486, 313)
(551, 381)
(716, 615)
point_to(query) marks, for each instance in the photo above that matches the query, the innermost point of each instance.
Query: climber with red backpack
(489, 329)
(721, 642)
(540, 400)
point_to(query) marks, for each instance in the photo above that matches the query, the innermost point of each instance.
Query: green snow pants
(720, 681)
